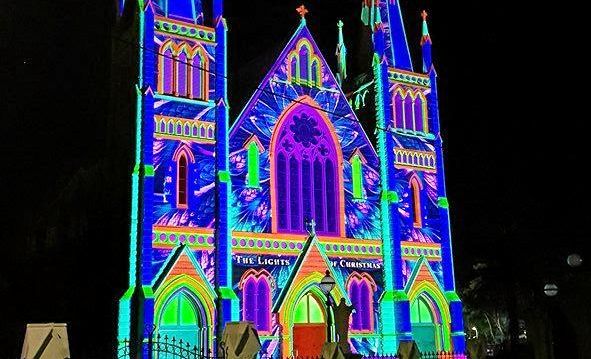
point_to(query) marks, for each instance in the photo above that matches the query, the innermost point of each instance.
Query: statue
(342, 313)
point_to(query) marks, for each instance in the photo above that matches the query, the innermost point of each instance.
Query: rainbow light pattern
(222, 216)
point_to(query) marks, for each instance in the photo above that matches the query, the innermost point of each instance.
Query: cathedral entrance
(426, 324)
(183, 319)
(309, 328)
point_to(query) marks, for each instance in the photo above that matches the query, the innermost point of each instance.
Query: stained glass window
(308, 184)
(308, 310)
(398, 111)
(408, 114)
(256, 302)
(199, 70)
(181, 74)
(167, 68)
(180, 320)
(419, 117)
(304, 54)
(361, 295)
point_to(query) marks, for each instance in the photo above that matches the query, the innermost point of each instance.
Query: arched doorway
(426, 324)
(183, 318)
(309, 326)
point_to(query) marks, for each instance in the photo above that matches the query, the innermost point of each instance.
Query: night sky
(513, 114)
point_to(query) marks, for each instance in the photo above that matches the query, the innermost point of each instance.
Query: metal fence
(425, 355)
(165, 347)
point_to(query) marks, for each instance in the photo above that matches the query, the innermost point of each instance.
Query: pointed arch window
(305, 174)
(357, 176)
(304, 61)
(183, 71)
(200, 75)
(408, 113)
(415, 202)
(253, 165)
(182, 79)
(361, 289)
(315, 75)
(181, 319)
(419, 114)
(308, 310)
(256, 300)
(293, 67)
(398, 110)
(426, 322)
(182, 174)
(166, 69)
(304, 66)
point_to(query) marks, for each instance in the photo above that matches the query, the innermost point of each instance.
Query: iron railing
(165, 347)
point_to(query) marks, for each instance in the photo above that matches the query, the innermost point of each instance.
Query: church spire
(426, 44)
(341, 55)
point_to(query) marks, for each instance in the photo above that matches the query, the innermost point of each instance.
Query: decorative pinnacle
(340, 24)
(302, 11)
(425, 28)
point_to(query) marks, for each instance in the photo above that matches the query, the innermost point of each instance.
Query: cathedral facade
(242, 222)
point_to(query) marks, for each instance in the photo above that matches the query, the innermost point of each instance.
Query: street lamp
(550, 289)
(326, 284)
(574, 260)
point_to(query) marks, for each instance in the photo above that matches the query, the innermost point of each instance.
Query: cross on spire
(424, 15)
(311, 224)
(302, 11)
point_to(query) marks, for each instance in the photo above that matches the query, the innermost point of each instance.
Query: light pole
(326, 284)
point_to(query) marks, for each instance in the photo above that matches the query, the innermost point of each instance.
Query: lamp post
(326, 284)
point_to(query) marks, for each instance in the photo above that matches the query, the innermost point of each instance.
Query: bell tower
(418, 264)
(180, 179)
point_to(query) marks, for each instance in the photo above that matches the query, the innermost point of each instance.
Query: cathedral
(239, 219)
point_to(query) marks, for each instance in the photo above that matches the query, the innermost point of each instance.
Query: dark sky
(511, 86)
(511, 81)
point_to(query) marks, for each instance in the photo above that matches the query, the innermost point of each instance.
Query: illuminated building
(221, 216)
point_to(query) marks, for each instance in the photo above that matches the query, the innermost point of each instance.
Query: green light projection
(309, 310)
(357, 177)
(253, 165)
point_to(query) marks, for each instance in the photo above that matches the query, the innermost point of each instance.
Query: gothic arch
(166, 67)
(439, 309)
(200, 295)
(416, 187)
(361, 288)
(199, 73)
(257, 287)
(305, 102)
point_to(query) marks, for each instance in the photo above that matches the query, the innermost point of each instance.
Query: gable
(309, 268)
(284, 84)
(300, 76)
(181, 263)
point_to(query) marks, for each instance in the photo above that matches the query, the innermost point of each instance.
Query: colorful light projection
(226, 215)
